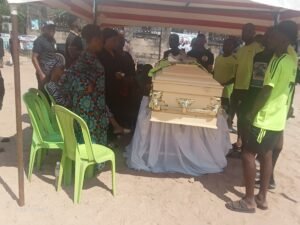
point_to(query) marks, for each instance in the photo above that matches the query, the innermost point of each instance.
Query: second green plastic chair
(84, 155)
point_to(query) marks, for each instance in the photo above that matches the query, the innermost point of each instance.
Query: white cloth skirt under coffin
(161, 147)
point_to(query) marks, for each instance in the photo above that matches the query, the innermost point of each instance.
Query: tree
(22, 12)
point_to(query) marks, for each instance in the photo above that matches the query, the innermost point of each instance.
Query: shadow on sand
(219, 184)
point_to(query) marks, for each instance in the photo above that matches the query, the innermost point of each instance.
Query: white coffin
(176, 86)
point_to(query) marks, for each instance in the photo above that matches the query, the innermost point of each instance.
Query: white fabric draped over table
(160, 147)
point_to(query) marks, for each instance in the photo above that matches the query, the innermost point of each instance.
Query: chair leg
(39, 156)
(113, 176)
(79, 177)
(31, 161)
(67, 172)
(61, 172)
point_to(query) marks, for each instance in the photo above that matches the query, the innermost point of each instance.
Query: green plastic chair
(84, 155)
(43, 97)
(44, 135)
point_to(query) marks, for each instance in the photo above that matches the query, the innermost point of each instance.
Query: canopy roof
(222, 16)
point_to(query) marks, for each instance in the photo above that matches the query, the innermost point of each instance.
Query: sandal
(260, 205)
(239, 206)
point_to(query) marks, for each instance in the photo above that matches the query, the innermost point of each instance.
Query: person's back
(224, 72)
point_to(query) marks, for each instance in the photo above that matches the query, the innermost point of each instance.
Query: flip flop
(239, 206)
(260, 205)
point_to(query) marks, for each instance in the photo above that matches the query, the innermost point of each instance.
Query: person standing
(1, 51)
(224, 72)
(245, 56)
(113, 76)
(85, 82)
(44, 56)
(174, 47)
(267, 119)
(290, 29)
(74, 45)
(128, 86)
(203, 55)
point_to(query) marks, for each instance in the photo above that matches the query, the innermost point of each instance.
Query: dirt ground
(142, 198)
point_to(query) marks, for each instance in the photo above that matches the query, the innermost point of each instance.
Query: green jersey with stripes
(273, 114)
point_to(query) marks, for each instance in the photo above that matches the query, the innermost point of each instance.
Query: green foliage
(22, 12)
(4, 8)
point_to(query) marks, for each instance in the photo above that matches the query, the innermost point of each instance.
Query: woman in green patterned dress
(85, 82)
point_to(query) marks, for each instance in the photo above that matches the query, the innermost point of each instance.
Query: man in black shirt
(44, 56)
(174, 46)
(203, 55)
(74, 45)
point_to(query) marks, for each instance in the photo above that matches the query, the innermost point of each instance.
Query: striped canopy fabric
(220, 16)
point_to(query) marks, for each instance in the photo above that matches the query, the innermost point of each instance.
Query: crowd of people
(96, 80)
(259, 82)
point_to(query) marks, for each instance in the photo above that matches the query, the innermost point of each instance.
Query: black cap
(48, 23)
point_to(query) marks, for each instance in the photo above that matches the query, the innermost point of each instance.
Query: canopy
(221, 16)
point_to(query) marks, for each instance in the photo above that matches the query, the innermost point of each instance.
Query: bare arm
(37, 67)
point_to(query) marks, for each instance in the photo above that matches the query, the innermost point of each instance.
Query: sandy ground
(142, 198)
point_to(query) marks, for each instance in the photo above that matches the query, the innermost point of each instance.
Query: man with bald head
(245, 56)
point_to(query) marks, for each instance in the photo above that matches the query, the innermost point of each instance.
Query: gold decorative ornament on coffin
(185, 94)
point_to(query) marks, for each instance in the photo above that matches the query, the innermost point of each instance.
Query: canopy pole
(95, 6)
(160, 41)
(276, 17)
(15, 55)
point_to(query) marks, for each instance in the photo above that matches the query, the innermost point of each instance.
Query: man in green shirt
(245, 56)
(224, 72)
(268, 119)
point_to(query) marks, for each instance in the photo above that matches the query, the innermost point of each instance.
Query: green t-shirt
(245, 56)
(291, 51)
(278, 76)
(224, 71)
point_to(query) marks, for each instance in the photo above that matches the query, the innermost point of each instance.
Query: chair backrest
(41, 95)
(67, 121)
(50, 96)
(39, 115)
(43, 98)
